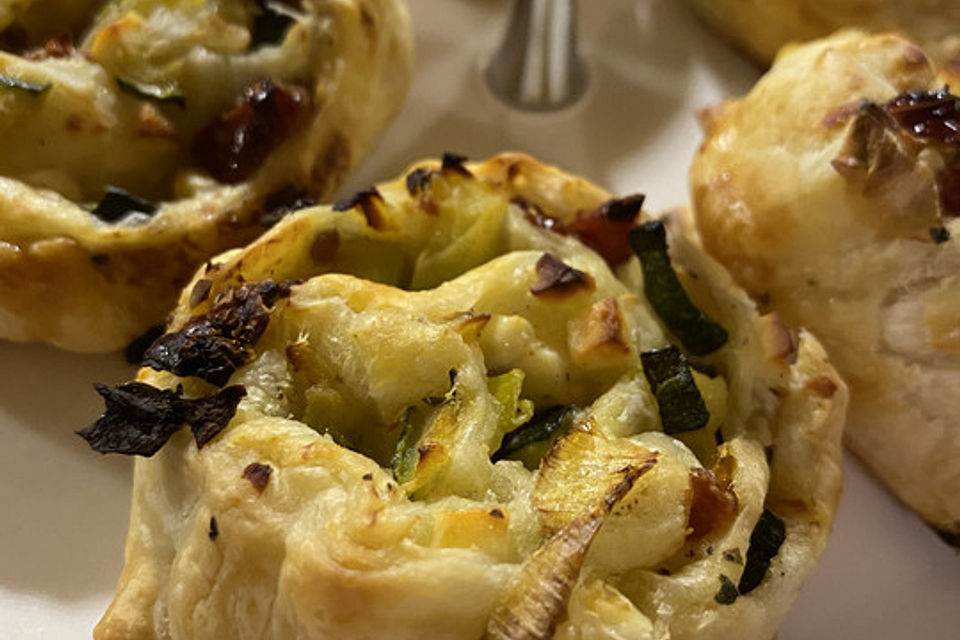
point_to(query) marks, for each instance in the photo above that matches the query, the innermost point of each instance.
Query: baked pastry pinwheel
(166, 133)
(762, 27)
(832, 193)
(457, 405)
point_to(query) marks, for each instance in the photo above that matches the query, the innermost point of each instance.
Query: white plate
(884, 575)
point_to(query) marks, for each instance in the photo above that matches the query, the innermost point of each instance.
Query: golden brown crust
(761, 27)
(829, 213)
(71, 279)
(438, 327)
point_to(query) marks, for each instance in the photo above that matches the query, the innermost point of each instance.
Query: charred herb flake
(214, 530)
(284, 201)
(135, 350)
(556, 277)
(140, 418)
(208, 416)
(765, 541)
(417, 180)
(370, 202)
(681, 405)
(214, 345)
(698, 333)
(939, 235)
(728, 593)
(453, 162)
(117, 203)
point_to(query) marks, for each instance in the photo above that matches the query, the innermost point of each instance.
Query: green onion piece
(35, 88)
(506, 389)
(765, 542)
(681, 405)
(696, 331)
(166, 92)
(405, 455)
(117, 202)
(542, 430)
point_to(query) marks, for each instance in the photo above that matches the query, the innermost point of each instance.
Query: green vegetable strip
(543, 426)
(765, 542)
(681, 405)
(24, 85)
(405, 455)
(168, 92)
(696, 331)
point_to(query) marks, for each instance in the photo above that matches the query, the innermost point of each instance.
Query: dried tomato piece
(934, 116)
(930, 115)
(234, 144)
(605, 228)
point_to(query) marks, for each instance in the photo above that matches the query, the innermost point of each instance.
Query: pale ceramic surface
(884, 576)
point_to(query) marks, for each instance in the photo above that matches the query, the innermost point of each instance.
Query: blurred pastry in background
(166, 132)
(761, 27)
(832, 193)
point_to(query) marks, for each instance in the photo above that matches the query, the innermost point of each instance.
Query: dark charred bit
(214, 530)
(367, 476)
(200, 292)
(138, 420)
(733, 555)
(453, 162)
(117, 203)
(765, 542)
(208, 416)
(370, 202)
(214, 345)
(271, 22)
(557, 278)
(258, 474)
(418, 180)
(284, 201)
(60, 46)
(952, 538)
(496, 513)
(939, 235)
(728, 593)
(235, 143)
(135, 350)
(537, 217)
